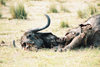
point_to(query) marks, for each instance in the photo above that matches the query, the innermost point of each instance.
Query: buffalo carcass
(86, 34)
(34, 38)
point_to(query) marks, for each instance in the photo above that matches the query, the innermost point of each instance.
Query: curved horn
(14, 43)
(47, 25)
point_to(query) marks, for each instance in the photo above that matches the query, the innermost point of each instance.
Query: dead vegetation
(64, 14)
(18, 12)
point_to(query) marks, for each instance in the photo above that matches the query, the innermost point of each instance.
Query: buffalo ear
(89, 26)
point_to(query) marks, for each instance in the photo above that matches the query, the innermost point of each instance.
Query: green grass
(82, 14)
(98, 4)
(18, 12)
(0, 15)
(53, 9)
(2, 2)
(64, 24)
(92, 9)
(14, 57)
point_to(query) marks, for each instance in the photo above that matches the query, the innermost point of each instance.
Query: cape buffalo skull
(34, 38)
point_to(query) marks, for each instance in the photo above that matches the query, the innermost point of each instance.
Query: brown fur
(81, 39)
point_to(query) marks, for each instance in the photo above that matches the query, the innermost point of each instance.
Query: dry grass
(93, 9)
(2, 2)
(18, 11)
(64, 24)
(98, 4)
(64, 9)
(47, 58)
(53, 9)
(0, 14)
(13, 29)
(81, 14)
(88, 11)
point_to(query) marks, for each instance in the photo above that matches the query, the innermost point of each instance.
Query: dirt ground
(13, 29)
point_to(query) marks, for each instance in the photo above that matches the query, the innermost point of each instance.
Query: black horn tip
(48, 19)
(47, 25)
(14, 43)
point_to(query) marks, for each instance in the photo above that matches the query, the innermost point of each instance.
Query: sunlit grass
(64, 24)
(48, 58)
(0, 15)
(2, 2)
(18, 12)
(53, 9)
(93, 9)
(88, 11)
(13, 30)
(98, 4)
(64, 9)
(81, 14)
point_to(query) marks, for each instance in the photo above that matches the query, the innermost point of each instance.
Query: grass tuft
(64, 24)
(81, 14)
(53, 9)
(2, 2)
(98, 4)
(0, 15)
(92, 9)
(64, 9)
(18, 12)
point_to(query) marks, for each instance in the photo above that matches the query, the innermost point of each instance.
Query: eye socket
(24, 45)
(29, 36)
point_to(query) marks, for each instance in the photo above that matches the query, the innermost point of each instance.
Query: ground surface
(11, 57)
(13, 30)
